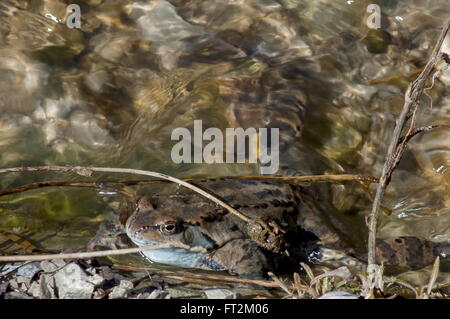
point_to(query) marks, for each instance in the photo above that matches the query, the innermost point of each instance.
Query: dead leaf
(341, 272)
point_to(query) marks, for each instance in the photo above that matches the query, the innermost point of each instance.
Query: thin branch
(82, 255)
(396, 147)
(99, 185)
(331, 178)
(87, 171)
(407, 138)
(113, 185)
(182, 275)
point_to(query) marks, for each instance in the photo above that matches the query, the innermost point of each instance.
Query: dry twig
(397, 146)
(79, 255)
(114, 185)
(88, 171)
(182, 275)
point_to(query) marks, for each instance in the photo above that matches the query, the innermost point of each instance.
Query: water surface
(110, 94)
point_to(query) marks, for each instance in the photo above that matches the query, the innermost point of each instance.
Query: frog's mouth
(188, 249)
(175, 256)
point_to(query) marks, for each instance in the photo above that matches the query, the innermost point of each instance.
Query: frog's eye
(169, 228)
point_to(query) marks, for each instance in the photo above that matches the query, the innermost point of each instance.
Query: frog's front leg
(111, 234)
(334, 258)
(239, 256)
(318, 254)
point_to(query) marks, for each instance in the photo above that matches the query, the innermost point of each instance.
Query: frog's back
(292, 207)
(256, 198)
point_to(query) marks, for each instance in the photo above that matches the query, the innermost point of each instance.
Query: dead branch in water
(106, 186)
(88, 171)
(397, 146)
(114, 185)
(102, 185)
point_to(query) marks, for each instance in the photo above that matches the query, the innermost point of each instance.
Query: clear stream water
(110, 94)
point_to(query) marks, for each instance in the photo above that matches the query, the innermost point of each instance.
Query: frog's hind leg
(242, 257)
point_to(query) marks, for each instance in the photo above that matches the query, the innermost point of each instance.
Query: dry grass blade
(434, 275)
(312, 290)
(280, 283)
(341, 272)
(183, 275)
(402, 283)
(298, 285)
(308, 270)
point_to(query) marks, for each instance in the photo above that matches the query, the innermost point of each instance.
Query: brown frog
(200, 234)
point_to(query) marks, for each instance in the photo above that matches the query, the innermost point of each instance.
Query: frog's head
(187, 245)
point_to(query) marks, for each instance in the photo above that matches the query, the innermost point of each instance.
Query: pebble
(338, 295)
(29, 270)
(8, 268)
(46, 287)
(220, 294)
(96, 280)
(17, 295)
(34, 289)
(182, 292)
(72, 283)
(14, 284)
(158, 294)
(122, 290)
(3, 287)
(52, 265)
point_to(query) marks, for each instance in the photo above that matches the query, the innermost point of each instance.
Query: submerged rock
(338, 295)
(122, 290)
(72, 283)
(220, 294)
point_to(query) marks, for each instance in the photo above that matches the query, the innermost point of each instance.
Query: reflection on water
(111, 93)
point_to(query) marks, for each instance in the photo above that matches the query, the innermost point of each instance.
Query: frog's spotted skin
(411, 251)
(203, 235)
(200, 234)
(215, 239)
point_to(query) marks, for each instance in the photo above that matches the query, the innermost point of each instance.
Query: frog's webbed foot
(334, 258)
(339, 258)
(240, 256)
